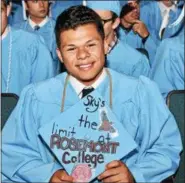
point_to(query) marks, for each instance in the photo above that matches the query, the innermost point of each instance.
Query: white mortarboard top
(113, 6)
(86, 137)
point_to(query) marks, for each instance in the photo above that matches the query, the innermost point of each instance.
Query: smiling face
(82, 52)
(37, 9)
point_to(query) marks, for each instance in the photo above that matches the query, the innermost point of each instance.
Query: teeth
(85, 66)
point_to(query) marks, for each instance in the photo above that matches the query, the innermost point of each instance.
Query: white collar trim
(5, 33)
(41, 24)
(163, 8)
(78, 86)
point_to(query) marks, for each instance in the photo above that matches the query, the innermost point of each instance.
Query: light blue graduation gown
(150, 14)
(59, 6)
(30, 61)
(137, 104)
(135, 41)
(127, 60)
(168, 69)
(48, 34)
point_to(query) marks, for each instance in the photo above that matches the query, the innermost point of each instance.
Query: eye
(71, 49)
(91, 45)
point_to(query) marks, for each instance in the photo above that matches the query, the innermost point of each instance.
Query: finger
(108, 173)
(113, 164)
(115, 178)
(134, 30)
(135, 21)
(56, 180)
(66, 177)
(136, 27)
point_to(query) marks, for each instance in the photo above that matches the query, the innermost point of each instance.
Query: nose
(41, 3)
(82, 53)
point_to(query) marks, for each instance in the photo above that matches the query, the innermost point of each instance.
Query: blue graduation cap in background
(113, 6)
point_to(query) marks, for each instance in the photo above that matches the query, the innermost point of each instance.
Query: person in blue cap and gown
(39, 23)
(133, 30)
(80, 40)
(121, 57)
(157, 15)
(168, 68)
(25, 59)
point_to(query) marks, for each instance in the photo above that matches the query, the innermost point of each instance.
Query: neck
(167, 3)
(126, 25)
(91, 82)
(36, 19)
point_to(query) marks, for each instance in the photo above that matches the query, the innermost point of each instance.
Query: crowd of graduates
(140, 34)
(144, 41)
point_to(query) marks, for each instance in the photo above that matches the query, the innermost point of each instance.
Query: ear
(106, 47)
(25, 5)
(9, 9)
(59, 55)
(116, 23)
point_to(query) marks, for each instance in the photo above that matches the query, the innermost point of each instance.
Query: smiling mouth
(86, 67)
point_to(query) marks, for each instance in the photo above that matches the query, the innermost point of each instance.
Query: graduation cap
(113, 6)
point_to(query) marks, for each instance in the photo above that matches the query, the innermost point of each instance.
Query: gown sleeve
(159, 144)
(142, 67)
(42, 67)
(168, 68)
(24, 156)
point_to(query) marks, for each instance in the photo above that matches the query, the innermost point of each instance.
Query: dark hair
(126, 9)
(114, 16)
(6, 2)
(76, 16)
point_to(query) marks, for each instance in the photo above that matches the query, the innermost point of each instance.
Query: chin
(87, 78)
(43, 16)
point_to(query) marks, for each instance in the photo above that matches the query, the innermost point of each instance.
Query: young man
(157, 15)
(121, 57)
(80, 40)
(133, 31)
(39, 23)
(168, 68)
(25, 59)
